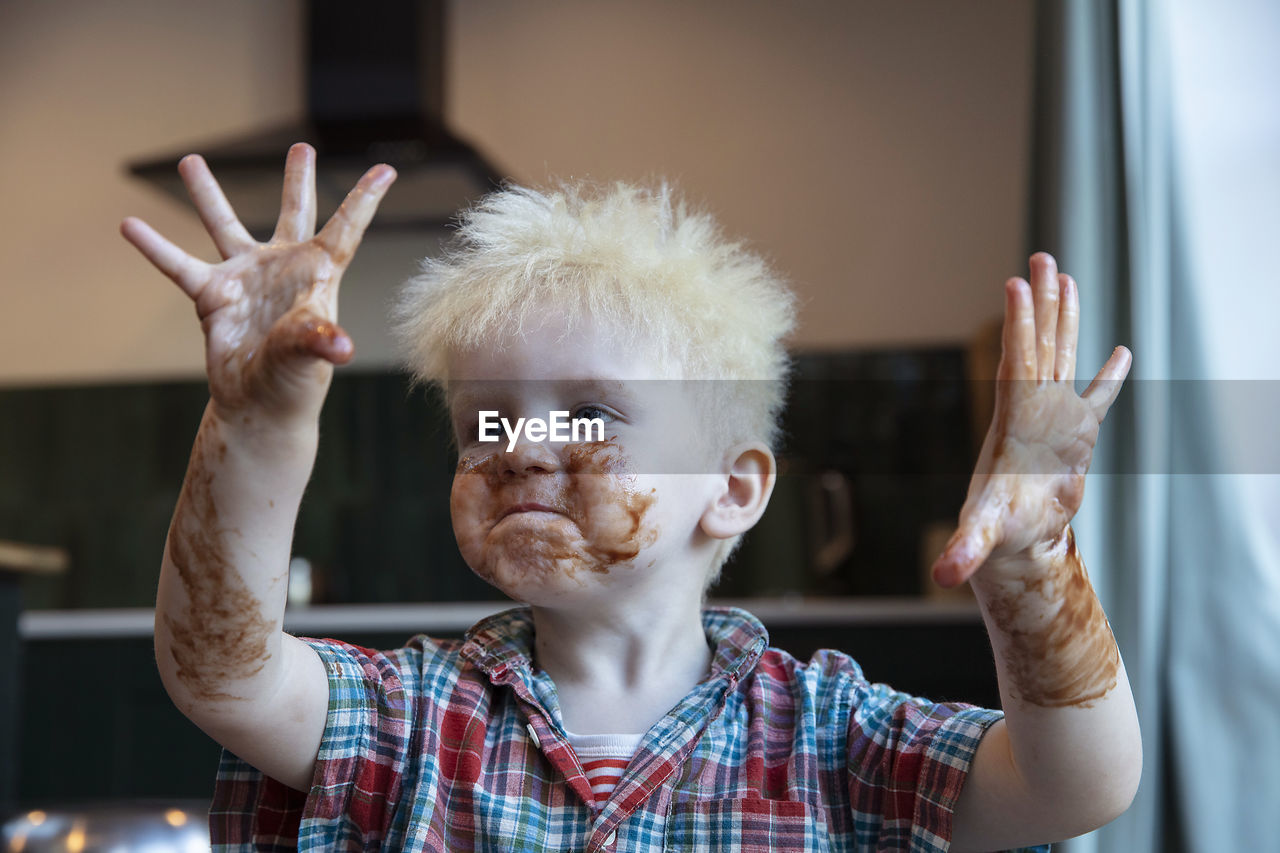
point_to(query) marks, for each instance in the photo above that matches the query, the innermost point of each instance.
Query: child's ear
(750, 473)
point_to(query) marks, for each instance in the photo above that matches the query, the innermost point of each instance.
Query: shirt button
(533, 736)
(610, 838)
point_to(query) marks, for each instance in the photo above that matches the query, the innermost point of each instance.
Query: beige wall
(875, 151)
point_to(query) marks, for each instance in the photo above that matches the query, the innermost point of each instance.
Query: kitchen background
(877, 153)
(897, 160)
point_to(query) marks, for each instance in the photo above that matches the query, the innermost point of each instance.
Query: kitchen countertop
(456, 617)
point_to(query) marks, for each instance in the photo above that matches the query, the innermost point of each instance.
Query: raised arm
(1068, 755)
(269, 315)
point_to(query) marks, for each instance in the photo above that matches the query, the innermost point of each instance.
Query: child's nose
(530, 457)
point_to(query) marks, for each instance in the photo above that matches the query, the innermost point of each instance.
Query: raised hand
(1029, 479)
(268, 310)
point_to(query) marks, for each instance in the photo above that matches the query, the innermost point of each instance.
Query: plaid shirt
(458, 745)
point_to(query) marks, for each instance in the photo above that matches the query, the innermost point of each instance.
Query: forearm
(223, 582)
(1070, 720)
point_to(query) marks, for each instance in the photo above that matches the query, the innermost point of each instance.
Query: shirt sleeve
(358, 771)
(908, 759)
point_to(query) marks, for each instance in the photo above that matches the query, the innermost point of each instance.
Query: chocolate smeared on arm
(1058, 647)
(221, 635)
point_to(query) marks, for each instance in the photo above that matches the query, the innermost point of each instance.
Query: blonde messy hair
(662, 277)
(637, 259)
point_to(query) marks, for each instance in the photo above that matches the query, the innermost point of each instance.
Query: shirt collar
(504, 641)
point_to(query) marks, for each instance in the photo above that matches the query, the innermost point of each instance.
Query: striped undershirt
(603, 758)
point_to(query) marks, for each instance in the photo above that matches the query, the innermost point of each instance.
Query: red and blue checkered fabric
(457, 745)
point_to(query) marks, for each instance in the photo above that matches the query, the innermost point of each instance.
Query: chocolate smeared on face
(587, 515)
(1057, 657)
(221, 635)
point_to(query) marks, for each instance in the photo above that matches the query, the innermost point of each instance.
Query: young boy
(613, 712)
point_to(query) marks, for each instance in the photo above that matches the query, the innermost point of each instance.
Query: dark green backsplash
(97, 469)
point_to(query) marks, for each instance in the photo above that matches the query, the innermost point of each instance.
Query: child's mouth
(527, 507)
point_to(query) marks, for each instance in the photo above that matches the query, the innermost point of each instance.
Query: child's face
(553, 522)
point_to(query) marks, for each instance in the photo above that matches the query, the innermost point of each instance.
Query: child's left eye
(592, 413)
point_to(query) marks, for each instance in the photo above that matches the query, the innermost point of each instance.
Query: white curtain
(1157, 184)
(1224, 590)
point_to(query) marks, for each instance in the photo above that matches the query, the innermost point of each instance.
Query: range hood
(375, 94)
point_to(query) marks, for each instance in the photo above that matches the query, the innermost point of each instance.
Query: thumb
(307, 334)
(965, 552)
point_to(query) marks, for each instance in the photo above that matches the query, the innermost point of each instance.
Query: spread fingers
(1044, 285)
(342, 233)
(298, 203)
(1064, 367)
(187, 272)
(215, 211)
(1102, 391)
(1018, 361)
